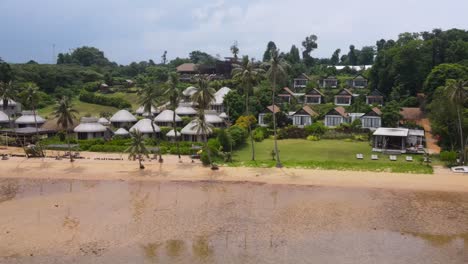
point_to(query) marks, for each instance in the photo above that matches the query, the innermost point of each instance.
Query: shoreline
(171, 170)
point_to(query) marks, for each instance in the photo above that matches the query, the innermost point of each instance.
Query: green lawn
(83, 109)
(325, 154)
(132, 98)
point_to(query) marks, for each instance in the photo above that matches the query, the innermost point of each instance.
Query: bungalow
(372, 120)
(104, 88)
(122, 132)
(166, 117)
(188, 92)
(344, 97)
(336, 117)
(146, 128)
(171, 135)
(13, 107)
(329, 82)
(89, 128)
(357, 82)
(374, 98)
(303, 117)
(218, 104)
(185, 110)
(4, 120)
(191, 132)
(213, 118)
(289, 96)
(187, 71)
(29, 119)
(313, 97)
(300, 82)
(269, 110)
(141, 111)
(123, 118)
(398, 140)
(103, 121)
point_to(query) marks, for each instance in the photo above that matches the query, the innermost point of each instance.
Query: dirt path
(431, 142)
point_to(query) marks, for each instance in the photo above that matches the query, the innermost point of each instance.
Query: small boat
(460, 169)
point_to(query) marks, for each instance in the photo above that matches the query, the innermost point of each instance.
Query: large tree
(65, 114)
(148, 98)
(309, 44)
(335, 58)
(457, 90)
(137, 148)
(277, 70)
(267, 55)
(174, 97)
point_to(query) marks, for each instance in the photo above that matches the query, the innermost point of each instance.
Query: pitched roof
(186, 67)
(28, 118)
(51, 124)
(276, 108)
(192, 129)
(303, 76)
(377, 110)
(89, 125)
(123, 116)
(103, 121)
(213, 118)
(219, 95)
(10, 102)
(185, 109)
(314, 91)
(375, 93)
(374, 112)
(338, 111)
(306, 110)
(167, 116)
(411, 113)
(4, 118)
(286, 89)
(145, 127)
(172, 133)
(189, 91)
(360, 77)
(345, 92)
(141, 110)
(121, 132)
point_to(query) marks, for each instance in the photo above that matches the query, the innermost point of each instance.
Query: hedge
(92, 98)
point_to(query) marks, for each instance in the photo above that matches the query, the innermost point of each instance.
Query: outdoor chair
(393, 158)
(359, 156)
(374, 157)
(409, 158)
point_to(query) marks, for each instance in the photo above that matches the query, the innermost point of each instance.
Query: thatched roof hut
(145, 127)
(166, 117)
(121, 132)
(192, 129)
(4, 117)
(185, 110)
(89, 125)
(173, 134)
(123, 116)
(27, 118)
(103, 121)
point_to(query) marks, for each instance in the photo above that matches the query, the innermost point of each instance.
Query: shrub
(164, 131)
(258, 135)
(313, 138)
(317, 128)
(224, 140)
(244, 121)
(293, 132)
(449, 158)
(92, 98)
(238, 136)
(359, 138)
(204, 158)
(213, 145)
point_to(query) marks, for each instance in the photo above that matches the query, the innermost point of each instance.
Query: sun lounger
(393, 158)
(409, 158)
(359, 156)
(374, 157)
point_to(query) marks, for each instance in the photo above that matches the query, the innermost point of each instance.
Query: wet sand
(95, 211)
(88, 221)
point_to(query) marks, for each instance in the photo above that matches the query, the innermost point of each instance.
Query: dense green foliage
(102, 100)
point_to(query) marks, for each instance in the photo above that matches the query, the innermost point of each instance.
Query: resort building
(28, 119)
(191, 132)
(336, 117)
(375, 98)
(185, 109)
(269, 110)
(300, 82)
(4, 120)
(358, 82)
(398, 140)
(372, 120)
(344, 97)
(171, 135)
(121, 132)
(329, 82)
(303, 117)
(141, 111)
(289, 96)
(89, 128)
(13, 107)
(123, 118)
(218, 104)
(187, 71)
(145, 127)
(224, 116)
(103, 121)
(188, 92)
(213, 118)
(314, 97)
(166, 117)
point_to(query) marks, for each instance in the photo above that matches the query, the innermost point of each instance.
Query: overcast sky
(135, 30)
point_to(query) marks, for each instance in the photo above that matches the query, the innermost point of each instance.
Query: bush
(204, 158)
(258, 135)
(317, 128)
(360, 138)
(225, 140)
(244, 121)
(213, 145)
(92, 98)
(292, 132)
(238, 136)
(313, 138)
(449, 158)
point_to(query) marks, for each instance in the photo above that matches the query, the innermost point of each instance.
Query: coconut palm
(248, 75)
(174, 97)
(148, 96)
(457, 91)
(137, 148)
(277, 67)
(203, 99)
(7, 94)
(32, 97)
(65, 114)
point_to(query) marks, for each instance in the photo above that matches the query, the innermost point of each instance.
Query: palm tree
(174, 98)
(248, 75)
(31, 97)
(137, 147)
(277, 67)
(457, 91)
(65, 114)
(7, 94)
(203, 98)
(148, 99)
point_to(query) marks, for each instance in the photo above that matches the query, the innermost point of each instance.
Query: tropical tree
(457, 91)
(148, 96)
(137, 148)
(248, 75)
(65, 114)
(277, 67)
(174, 97)
(7, 94)
(32, 97)
(203, 99)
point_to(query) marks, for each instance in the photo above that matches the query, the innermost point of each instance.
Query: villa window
(313, 100)
(342, 100)
(371, 122)
(302, 120)
(334, 121)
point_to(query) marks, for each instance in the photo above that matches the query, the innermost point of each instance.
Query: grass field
(83, 109)
(325, 154)
(132, 98)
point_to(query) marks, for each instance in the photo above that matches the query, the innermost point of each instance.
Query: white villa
(103, 121)
(269, 110)
(303, 117)
(398, 140)
(218, 104)
(375, 97)
(336, 116)
(28, 119)
(185, 109)
(213, 118)
(344, 97)
(13, 107)
(300, 82)
(145, 127)
(166, 117)
(123, 118)
(4, 120)
(190, 132)
(89, 128)
(314, 97)
(172, 135)
(372, 120)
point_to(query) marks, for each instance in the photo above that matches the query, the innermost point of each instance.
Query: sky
(136, 30)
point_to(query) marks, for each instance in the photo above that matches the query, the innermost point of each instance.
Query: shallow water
(71, 221)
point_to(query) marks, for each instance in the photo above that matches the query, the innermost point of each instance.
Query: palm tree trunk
(69, 146)
(250, 125)
(37, 130)
(278, 162)
(157, 141)
(460, 129)
(208, 152)
(139, 161)
(175, 133)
